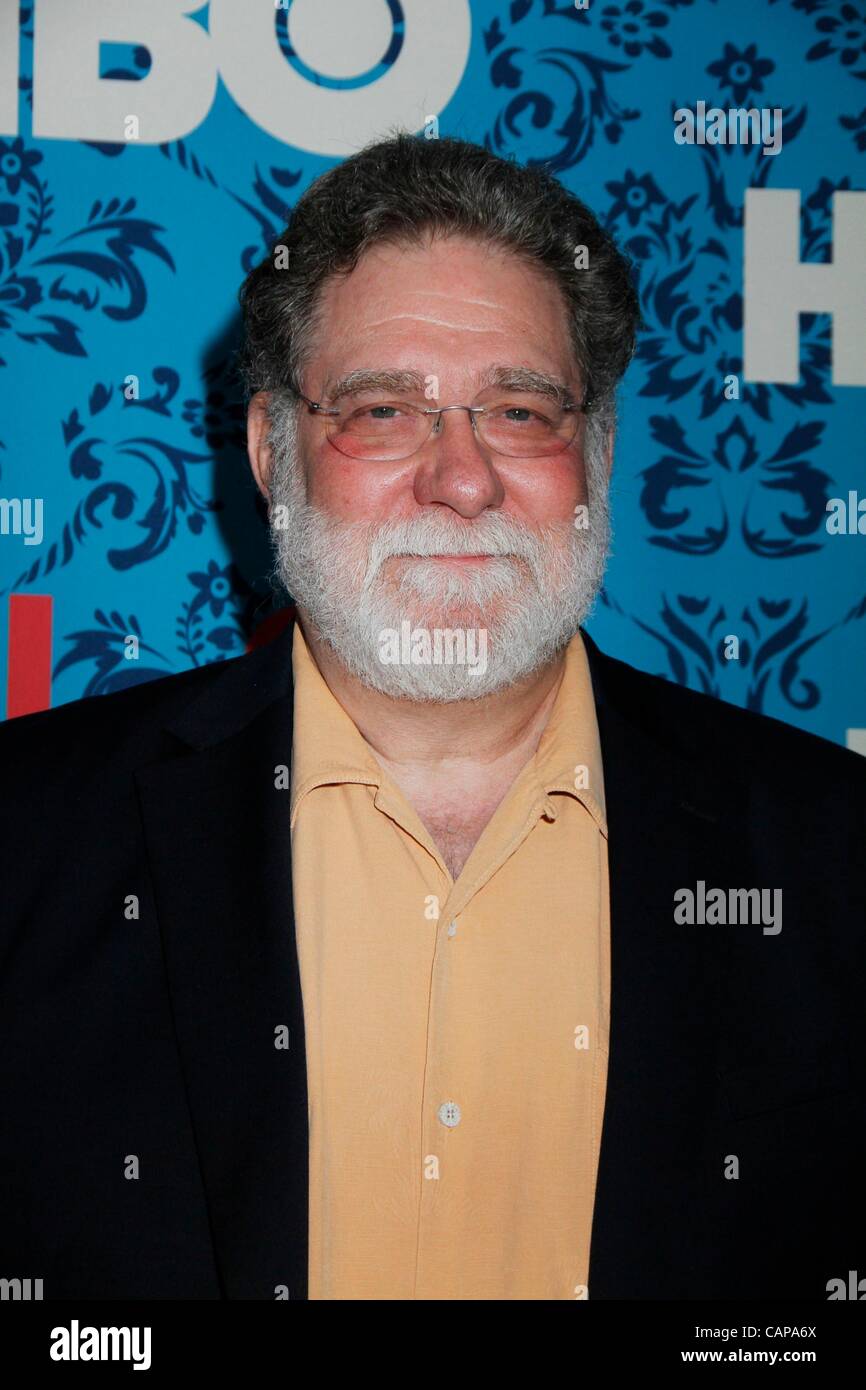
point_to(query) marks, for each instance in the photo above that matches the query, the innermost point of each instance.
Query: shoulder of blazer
(708, 730)
(131, 725)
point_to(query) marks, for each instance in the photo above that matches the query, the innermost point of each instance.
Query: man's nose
(456, 468)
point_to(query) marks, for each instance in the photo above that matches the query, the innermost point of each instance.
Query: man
(427, 952)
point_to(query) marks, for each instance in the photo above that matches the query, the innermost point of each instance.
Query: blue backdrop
(120, 261)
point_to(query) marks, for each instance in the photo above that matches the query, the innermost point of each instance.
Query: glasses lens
(379, 429)
(526, 426)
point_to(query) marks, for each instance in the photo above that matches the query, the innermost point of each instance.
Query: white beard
(529, 601)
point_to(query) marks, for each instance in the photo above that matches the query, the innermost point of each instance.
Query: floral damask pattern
(727, 472)
(50, 283)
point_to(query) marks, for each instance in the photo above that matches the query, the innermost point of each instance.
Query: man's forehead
(454, 306)
(441, 277)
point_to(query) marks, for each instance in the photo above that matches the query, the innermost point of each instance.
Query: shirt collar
(329, 748)
(568, 757)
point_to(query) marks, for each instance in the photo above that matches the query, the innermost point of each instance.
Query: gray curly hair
(404, 188)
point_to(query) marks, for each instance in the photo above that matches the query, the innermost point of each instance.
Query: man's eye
(372, 411)
(522, 415)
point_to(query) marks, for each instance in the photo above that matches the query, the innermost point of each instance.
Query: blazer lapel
(672, 821)
(218, 843)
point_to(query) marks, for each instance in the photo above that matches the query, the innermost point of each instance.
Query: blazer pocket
(764, 1086)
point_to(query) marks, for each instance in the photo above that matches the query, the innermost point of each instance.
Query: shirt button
(449, 1113)
(452, 930)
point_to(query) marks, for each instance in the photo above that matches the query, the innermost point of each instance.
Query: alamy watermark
(704, 906)
(76, 1343)
(854, 1288)
(737, 126)
(20, 1290)
(438, 646)
(22, 516)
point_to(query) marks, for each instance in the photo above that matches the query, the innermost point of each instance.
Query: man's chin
(454, 610)
(458, 616)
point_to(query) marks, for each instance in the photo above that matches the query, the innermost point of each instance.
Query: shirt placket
(442, 1113)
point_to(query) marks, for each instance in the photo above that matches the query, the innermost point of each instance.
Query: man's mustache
(510, 540)
(423, 553)
(512, 548)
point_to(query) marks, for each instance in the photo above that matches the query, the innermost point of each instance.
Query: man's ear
(258, 449)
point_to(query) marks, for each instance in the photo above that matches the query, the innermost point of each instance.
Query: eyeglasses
(518, 424)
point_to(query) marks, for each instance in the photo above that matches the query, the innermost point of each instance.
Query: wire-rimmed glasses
(378, 426)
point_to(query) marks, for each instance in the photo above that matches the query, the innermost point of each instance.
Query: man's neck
(460, 740)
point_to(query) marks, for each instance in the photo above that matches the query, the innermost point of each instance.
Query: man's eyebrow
(364, 379)
(526, 379)
(404, 382)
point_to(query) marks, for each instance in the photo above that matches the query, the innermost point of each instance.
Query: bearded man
(467, 962)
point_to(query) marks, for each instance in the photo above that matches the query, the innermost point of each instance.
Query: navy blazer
(153, 1035)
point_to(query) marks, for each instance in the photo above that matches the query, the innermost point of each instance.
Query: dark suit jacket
(154, 1036)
